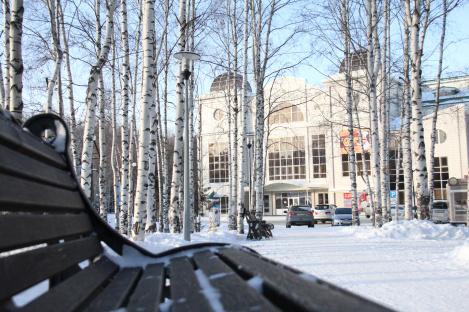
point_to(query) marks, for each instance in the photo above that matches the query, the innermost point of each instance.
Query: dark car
(300, 215)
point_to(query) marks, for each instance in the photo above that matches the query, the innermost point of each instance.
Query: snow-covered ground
(409, 266)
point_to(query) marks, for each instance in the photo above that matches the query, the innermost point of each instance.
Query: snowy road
(407, 275)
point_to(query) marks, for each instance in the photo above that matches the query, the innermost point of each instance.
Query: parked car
(440, 211)
(323, 213)
(342, 216)
(299, 215)
(400, 212)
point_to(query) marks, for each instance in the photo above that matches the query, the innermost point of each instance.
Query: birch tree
(125, 99)
(345, 30)
(114, 149)
(15, 68)
(242, 175)
(177, 178)
(6, 16)
(417, 36)
(91, 100)
(406, 137)
(58, 53)
(102, 150)
(372, 72)
(71, 99)
(148, 22)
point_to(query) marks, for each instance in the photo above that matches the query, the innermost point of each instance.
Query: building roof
(221, 82)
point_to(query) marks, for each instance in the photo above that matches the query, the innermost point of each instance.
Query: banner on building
(345, 141)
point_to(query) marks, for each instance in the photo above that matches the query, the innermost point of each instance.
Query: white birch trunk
(384, 135)
(114, 151)
(125, 100)
(91, 99)
(48, 107)
(345, 20)
(6, 16)
(437, 106)
(417, 131)
(71, 99)
(102, 151)
(177, 178)
(16, 60)
(139, 217)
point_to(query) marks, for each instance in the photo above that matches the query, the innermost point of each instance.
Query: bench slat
(235, 294)
(21, 194)
(74, 291)
(292, 289)
(186, 291)
(14, 136)
(19, 164)
(114, 295)
(19, 230)
(148, 292)
(19, 271)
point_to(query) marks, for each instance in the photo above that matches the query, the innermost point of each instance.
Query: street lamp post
(249, 145)
(186, 57)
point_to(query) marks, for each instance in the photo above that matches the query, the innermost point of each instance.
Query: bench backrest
(45, 229)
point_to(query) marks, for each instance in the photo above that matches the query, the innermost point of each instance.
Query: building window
(359, 161)
(218, 114)
(218, 162)
(323, 198)
(287, 158)
(319, 156)
(266, 204)
(440, 136)
(285, 113)
(285, 200)
(440, 177)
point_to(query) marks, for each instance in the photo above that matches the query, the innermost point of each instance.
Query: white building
(307, 139)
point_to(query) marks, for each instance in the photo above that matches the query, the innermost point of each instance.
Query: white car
(323, 213)
(342, 216)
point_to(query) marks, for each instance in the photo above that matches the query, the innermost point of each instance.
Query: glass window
(285, 113)
(440, 177)
(218, 162)
(359, 163)
(286, 158)
(319, 156)
(440, 136)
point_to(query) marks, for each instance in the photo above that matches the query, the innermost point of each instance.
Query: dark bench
(55, 249)
(257, 229)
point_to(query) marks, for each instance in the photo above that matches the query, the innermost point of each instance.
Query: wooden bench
(56, 254)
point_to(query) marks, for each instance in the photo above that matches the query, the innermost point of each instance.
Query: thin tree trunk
(91, 99)
(243, 182)
(48, 107)
(16, 60)
(345, 23)
(6, 15)
(114, 152)
(177, 178)
(71, 100)
(102, 150)
(418, 142)
(431, 168)
(384, 135)
(139, 218)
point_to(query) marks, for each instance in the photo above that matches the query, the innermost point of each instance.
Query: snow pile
(411, 230)
(460, 254)
(158, 242)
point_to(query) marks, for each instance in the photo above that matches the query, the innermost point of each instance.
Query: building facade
(306, 144)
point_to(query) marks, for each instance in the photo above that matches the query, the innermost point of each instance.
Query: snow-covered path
(405, 274)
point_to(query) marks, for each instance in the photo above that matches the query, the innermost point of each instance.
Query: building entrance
(288, 199)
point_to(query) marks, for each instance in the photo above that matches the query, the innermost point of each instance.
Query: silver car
(300, 215)
(342, 216)
(440, 212)
(323, 213)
